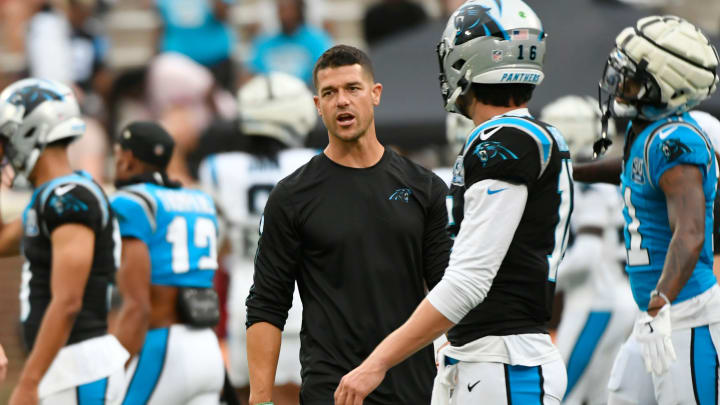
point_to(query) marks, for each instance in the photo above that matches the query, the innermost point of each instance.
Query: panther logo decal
(673, 149)
(401, 194)
(473, 21)
(489, 150)
(31, 97)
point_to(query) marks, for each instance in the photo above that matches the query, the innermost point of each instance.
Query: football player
(169, 258)
(71, 245)
(598, 309)
(509, 211)
(276, 114)
(659, 69)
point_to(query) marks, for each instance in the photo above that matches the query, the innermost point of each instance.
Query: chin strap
(603, 143)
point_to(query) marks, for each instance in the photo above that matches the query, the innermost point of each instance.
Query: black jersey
(363, 246)
(520, 150)
(75, 198)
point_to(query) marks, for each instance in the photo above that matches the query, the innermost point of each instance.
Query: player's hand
(24, 394)
(654, 336)
(3, 364)
(359, 383)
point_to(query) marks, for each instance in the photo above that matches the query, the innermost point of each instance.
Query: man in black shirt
(71, 242)
(361, 230)
(511, 196)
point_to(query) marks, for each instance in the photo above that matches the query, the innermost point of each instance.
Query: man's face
(123, 159)
(346, 100)
(628, 90)
(289, 15)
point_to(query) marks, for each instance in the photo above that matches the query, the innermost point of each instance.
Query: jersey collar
(518, 112)
(161, 179)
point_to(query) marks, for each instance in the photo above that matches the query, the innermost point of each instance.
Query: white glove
(654, 336)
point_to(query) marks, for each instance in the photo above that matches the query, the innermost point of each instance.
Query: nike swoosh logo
(491, 192)
(64, 189)
(486, 135)
(470, 387)
(664, 134)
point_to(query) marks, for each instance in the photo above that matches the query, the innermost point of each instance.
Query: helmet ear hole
(30, 133)
(458, 64)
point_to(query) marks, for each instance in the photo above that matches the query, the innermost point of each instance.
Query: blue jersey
(666, 143)
(179, 227)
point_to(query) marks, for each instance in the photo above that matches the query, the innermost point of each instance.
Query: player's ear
(316, 99)
(376, 93)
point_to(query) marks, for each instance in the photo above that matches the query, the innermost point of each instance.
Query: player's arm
(606, 170)
(73, 245)
(11, 232)
(3, 364)
(136, 219)
(133, 281)
(263, 351)
(271, 295)
(588, 220)
(683, 188)
(436, 241)
(10, 238)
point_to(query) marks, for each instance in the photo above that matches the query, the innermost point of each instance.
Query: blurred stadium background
(109, 50)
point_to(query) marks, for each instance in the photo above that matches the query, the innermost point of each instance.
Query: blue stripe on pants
(149, 367)
(588, 339)
(92, 393)
(704, 366)
(524, 385)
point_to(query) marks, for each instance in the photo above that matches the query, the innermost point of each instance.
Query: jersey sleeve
(436, 240)
(276, 261)
(134, 216)
(676, 145)
(73, 204)
(509, 155)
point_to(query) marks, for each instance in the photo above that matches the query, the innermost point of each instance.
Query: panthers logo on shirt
(489, 150)
(673, 148)
(401, 194)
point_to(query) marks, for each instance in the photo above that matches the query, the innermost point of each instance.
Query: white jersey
(240, 183)
(585, 266)
(710, 125)
(598, 309)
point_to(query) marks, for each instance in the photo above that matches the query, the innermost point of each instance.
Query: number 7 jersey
(179, 227)
(666, 143)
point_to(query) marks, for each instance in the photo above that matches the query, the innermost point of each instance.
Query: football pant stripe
(585, 345)
(704, 366)
(149, 368)
(524, 385)
(92, 393)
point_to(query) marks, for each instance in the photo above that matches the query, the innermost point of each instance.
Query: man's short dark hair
(500, 95)
(342, 55)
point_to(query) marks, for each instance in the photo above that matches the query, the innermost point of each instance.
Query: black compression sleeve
(436, 240)
(276, 259)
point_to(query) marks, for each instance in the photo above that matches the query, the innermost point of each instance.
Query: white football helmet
(33, 114)
(670, 59)
(279, 106)
(492, 42)
(579, 120)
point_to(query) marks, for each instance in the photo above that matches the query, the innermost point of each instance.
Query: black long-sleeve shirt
(363, 245)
